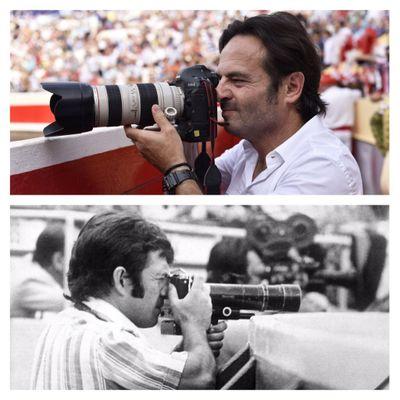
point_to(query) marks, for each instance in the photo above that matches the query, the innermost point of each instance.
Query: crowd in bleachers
(236, 216)
(119, 47)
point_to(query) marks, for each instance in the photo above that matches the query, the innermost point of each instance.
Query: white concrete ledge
(31, 154)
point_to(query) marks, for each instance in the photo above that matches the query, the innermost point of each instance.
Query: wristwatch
(175, 178)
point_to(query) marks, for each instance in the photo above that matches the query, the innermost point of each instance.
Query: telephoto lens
(234, 301)
(78, 107)
(256, 297)
(261, 297)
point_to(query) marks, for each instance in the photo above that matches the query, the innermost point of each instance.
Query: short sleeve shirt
(81, 351)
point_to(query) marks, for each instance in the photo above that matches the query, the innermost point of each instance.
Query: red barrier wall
(94, 163)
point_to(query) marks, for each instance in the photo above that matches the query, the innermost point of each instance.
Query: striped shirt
(101, 350)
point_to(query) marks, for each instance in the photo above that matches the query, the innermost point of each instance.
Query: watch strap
(175, 178)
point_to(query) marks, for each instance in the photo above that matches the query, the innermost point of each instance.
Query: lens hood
(72, 104)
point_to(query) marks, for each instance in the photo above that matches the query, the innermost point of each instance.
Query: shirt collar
(292, 145)
(107, 311)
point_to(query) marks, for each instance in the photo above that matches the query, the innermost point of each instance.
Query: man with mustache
(268, 91)
(118, 279)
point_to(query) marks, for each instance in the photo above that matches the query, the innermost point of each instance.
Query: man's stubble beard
(251, 131)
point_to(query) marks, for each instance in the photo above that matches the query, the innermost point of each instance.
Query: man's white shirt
(311, 162)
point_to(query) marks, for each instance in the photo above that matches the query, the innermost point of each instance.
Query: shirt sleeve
(129, 362)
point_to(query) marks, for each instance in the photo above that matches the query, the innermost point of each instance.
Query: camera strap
(202, 163)
(212, 180)
(206, 170)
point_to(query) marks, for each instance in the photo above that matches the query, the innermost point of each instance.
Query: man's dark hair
(50, 241)
(289, 49)
(109, 240)
(228, 261)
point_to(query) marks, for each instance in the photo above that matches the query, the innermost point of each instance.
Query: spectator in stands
(232, 260)
(340, 109)
(118, 279)
(270, 73)
(36, 283)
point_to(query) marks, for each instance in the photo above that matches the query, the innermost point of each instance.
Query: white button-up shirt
(312, 161)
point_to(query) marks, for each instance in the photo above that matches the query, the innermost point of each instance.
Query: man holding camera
(118, 279)
(268, 91)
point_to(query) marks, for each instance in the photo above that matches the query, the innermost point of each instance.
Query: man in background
(233, 260)
(37, 281)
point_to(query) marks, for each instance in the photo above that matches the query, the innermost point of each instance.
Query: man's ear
(120, 280)
(58, 260)
(293, 85)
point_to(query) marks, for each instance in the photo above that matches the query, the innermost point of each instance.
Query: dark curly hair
(228, 261)
(289, 49)
(109, 240)
(50, 241)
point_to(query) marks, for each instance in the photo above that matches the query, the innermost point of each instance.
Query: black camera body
(291, 255)
(287, 248)
(79, 107)
(234, 301)
(198, 85)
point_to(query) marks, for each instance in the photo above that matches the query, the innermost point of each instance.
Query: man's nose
(222, 89)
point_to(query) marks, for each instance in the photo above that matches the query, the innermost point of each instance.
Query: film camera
(234, 301)
(189, 102)
(287, 248)
(291, 255)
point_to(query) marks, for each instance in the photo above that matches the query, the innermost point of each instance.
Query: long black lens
(72, 104)
(256, 297)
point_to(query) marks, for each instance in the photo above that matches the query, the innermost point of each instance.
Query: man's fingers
(132, 133)
(219, 327)
(172, 293)
(140, 135)
(159, 117)
(215, 337)
(198, 284)
(215, 345)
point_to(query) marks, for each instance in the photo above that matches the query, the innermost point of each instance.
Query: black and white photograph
(199, 297)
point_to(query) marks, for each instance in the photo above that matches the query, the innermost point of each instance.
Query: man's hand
(193, 313)
(162, 149)
(195, 308)
(215, 336)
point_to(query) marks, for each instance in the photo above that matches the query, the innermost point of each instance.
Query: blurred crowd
(120, 47)
(330, 219)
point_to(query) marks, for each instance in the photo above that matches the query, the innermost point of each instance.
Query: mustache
(227, 105)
